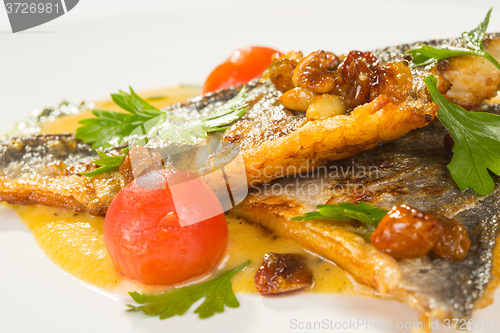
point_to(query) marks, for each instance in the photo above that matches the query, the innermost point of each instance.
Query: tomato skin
(243, 65)
(146, 242)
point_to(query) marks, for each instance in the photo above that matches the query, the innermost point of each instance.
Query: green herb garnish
(362, 212)
(186, 133)
(191, 131)
(425, 54)
(110, 126)
(217, 292)
(116, 127)
(229, 112)
(106, 163)
(477, 142)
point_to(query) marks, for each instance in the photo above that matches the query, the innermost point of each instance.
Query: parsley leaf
(362, 212)
(111, 127)
(134, 104)
(106, 163)
(106, 126)
(186, 133)
(231, 111)
(217, 292)
(190, 132)
(425, 54)
(477, 142)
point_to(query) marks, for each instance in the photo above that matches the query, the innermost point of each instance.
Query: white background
(102, 46)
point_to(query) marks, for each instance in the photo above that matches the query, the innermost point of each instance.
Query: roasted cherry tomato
(150, 242)
(243, 65)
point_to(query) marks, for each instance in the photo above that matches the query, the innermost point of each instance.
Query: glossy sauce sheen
(74, 241)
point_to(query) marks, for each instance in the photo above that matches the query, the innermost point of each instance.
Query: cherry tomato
(243, 65)
(149, 242)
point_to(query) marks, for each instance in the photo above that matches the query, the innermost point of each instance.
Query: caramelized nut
(297, 99)
(332, 61)
(325, 106)
(367, 57)
(454, 243)
(394, 80)
(312, 72)
(280, 73)
(293, 55)
(406, 232)
(358, 83)
(280, 273)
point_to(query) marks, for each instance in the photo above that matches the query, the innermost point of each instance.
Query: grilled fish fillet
(46, 169)
(273, 141)
(411, 170)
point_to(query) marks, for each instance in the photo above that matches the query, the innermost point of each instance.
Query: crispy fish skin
(273, 141)
(473, 79)
(317, 142)
(276, 142)
(411, 170)
(45, 169)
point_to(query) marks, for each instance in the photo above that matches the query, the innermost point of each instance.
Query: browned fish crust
(490, 289)
(317, 142)
(276, 142)
(30, 196)
(411, 170)
(45, 169)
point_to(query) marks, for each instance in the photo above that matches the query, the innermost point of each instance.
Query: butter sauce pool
(74, 241)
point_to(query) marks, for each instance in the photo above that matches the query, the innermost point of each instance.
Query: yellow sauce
(75, 242)
(159, 98)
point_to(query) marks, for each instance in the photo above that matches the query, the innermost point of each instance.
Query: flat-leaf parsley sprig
(228, 113)
(106, 162)
(477, 142)
(190, 131)
(365, 213)
(218, 293)
(112, 128)
(109, 127)
(425, 54)
(362, 212)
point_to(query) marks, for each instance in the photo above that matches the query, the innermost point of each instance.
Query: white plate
(98, 48)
